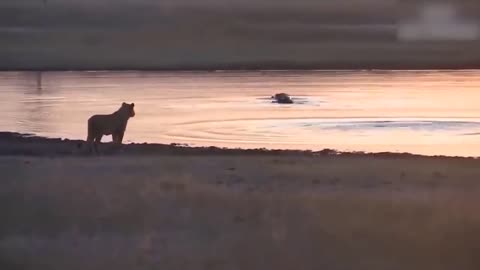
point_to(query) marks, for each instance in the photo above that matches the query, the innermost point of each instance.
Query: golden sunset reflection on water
(425, 112)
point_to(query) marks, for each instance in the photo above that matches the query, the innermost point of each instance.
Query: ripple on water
(300, 131)
(354, 124)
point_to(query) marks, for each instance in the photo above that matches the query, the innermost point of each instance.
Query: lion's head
(128, 109)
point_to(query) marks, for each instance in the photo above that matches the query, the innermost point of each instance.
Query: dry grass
(239, 213)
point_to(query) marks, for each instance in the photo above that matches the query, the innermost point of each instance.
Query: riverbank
(14, 144)
(177, 207)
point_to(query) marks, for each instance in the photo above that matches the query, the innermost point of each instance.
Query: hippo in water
(282, 98)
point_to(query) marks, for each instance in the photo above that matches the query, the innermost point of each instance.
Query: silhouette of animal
(113, 124)
(282, 98)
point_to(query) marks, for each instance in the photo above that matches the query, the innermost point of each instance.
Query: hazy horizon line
(192, 69)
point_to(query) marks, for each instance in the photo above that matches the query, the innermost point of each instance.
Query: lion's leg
(89, 143)
(117, 141)
(120, 137)
(98, 139)
(115, 138)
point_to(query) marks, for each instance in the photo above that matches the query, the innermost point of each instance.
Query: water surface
(426, 112)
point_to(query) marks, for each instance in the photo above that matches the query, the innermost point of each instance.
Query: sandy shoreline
(170, 207)
(13, 144)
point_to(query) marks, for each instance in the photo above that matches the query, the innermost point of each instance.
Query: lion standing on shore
(113, 124)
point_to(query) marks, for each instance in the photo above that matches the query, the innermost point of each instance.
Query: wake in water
(297, 100)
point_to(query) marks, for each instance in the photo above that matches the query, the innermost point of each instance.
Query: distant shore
(383, 67)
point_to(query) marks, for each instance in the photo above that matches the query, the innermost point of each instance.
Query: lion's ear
(123, 104)
(133, 105)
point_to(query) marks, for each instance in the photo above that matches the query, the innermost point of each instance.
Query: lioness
(109, 124)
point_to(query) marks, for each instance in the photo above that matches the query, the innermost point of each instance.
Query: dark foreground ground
(169, 207)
